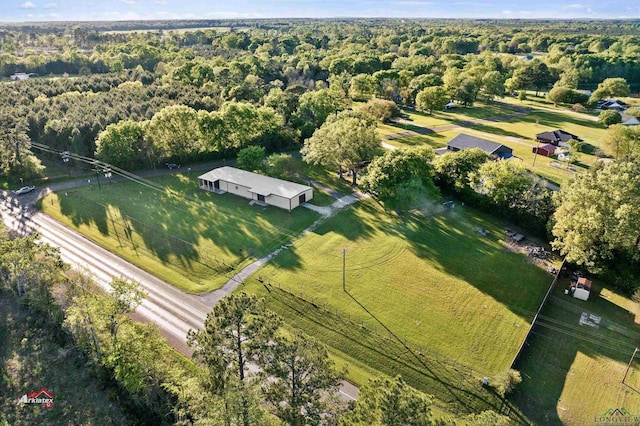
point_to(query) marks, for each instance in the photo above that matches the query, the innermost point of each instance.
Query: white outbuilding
(260, 189)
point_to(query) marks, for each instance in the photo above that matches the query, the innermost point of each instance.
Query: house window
(302, 198)
(236, 186)
(261, 198)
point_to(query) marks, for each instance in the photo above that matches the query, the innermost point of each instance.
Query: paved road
(174, 311)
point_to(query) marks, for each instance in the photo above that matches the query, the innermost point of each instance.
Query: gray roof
(463, 141)
(258, 184)
(557, 136)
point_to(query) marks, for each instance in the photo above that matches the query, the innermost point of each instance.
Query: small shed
(547, 150)
(450, 105)
(582, 289)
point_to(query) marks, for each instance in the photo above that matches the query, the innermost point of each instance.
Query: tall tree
(432, 98)
(381, 109)
(16, 158)
(344, 141)
(390, 402)
(172, 131)
(117, 143)
(251, 158)
(504, 182)
(452, 169)
(303, 383)
(622, 141)
(235, 332)
(598, 215)
(609, 117)
(315, 107)
(390, 172)
(611, 88)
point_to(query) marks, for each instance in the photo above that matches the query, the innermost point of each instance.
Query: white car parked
(24, 190)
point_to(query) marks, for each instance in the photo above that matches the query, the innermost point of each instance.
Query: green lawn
(434, 140)
(480, 110)
(423, 290)
(189, 237)
(572, 373)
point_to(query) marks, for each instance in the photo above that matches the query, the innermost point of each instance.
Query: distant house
(547, 150)
(463, 141)
(19, 76)
(261, 190)
(631, 121)
(450, 105)
(556, 137)
(563, 156)
(614, 104)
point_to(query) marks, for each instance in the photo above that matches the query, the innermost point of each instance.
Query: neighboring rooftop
(258, 184)
(556, 136)
(463, 141)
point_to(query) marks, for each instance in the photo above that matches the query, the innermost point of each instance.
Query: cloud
(51, 6)
(506, 12)
(575, 6)
(27, 5)
(129, 2)
(160, 2)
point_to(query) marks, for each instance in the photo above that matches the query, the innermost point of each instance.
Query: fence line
(535, 318)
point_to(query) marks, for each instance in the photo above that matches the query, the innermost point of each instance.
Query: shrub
(505, 382)
(609, 117)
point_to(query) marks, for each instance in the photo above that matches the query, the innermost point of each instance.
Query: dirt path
(247, 271)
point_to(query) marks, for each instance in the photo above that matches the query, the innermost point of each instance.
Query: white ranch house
(262, 190)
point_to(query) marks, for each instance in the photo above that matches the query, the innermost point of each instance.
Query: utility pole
(344, 270)
(536, 154)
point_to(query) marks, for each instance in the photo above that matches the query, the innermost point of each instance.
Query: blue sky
(63, 10)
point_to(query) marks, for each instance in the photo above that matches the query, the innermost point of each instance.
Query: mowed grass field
(423, 292)
(191, 238)
(572, 373)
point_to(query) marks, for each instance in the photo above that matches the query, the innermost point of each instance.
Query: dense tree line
(303, 69)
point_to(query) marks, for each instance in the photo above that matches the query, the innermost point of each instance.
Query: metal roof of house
(258, 184)
(463, 141)
(631, 121)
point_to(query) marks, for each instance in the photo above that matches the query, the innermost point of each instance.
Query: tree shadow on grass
(550, 353)
(83, 212)
(559, 119)
(497, 131)
(380, 348)
(452, 240)
(173, 229)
